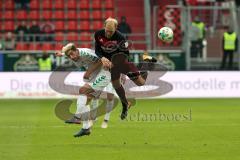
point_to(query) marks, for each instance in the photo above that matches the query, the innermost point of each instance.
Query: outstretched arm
(98, 50)
(59, 54)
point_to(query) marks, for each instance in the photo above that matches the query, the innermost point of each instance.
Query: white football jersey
(87, 57)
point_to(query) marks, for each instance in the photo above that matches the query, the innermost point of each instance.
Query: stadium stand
(134, 11)
(76, 17)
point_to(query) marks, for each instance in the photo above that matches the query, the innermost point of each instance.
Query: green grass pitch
(203, 129)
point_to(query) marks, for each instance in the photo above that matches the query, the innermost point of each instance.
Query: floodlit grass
(167, 129)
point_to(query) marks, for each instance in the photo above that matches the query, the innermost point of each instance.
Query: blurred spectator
(9, 41)
(48, 30)
(22, 32)
(26, 63)
(194, 32)
(237, 3)
(229, 46)
(45, 63)
(22, 4)
(34, 32)
(124, 27)
(182, 2)
(198, 37)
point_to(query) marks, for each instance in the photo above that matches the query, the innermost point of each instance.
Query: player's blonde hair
(68, 47)
(111, 22)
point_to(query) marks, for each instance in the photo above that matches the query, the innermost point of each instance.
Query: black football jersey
(105, 47)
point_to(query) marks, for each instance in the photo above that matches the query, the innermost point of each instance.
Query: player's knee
(110, 97)
(140, 82)
(83, 90)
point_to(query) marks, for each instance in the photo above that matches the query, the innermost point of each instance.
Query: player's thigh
(116, 83)
(115, 73)
(129, 67)
(121, 64)
(110, 92)
(86, 89)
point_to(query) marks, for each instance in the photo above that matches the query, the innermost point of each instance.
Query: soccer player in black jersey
(112, 49)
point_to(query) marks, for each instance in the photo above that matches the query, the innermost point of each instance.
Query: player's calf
(125, 111)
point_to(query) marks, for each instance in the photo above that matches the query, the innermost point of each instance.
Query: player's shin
(109, 107)
(83, 111)
(94, 109)
(121, 93)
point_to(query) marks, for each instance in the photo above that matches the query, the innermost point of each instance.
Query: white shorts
(101, 80)
(110, 88)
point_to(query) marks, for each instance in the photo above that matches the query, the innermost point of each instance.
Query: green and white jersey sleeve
(87, 57)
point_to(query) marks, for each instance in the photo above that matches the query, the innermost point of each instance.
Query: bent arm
(98, 49)
(92, 69)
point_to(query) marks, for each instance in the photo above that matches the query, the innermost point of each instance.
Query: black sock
(121, 93)
(147, 66)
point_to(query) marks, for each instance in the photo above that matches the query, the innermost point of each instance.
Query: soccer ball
(165, 34)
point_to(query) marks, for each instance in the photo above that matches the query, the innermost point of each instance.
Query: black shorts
(121, 65)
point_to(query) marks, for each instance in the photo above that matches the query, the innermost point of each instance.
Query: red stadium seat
(34, 46)
(84, 4)
(84, 15)
(9, 15)
(46, 15)
(96, 4)
(97, 25)
(8, 26)
(59, 15)
(72, 36)
(71, 14)
(109, 13)
(85, 36)
(72, 4)
(58, 46)
(59, 4)
(1, 4)
(59, 25)
(21, 15)
(9, 4)
(84, 25)
(97, 14)
(47, 4)
(34, 4)
(72, 25)
(109, 4)
(21, 46)
(59, 36)
(47, 46)
(85, 45)
(34, 15)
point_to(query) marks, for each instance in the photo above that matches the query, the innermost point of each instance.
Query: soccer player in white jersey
(109, 106)
(97, 76)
